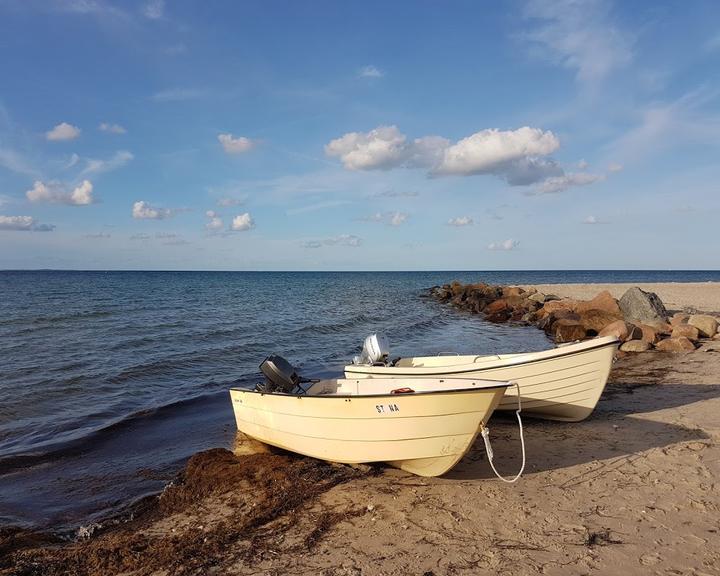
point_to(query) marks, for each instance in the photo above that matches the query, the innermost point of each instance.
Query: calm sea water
(110, 380)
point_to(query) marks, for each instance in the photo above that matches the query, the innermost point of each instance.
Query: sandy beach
(677, 296)
(632, 489)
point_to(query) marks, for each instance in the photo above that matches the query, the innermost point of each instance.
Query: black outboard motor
(280, 375)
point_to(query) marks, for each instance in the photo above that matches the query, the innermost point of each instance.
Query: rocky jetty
(639, 319)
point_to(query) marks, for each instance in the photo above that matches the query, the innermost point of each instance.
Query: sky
(326, 135)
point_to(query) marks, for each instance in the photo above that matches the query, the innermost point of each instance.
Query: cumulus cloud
(615, 167)
(111, 128)
(593, 220)
(23, 224)
(141, 210)
(63, 131)
(370, 71)
(55, 193)
(380, 149)
(242, 222)
(341, 240)
(460, 221)
(233, 145)
(118, 160)
(214, 223)
(515, 155)
(389, 218)
(579, 35)
(583, 164)
(561, 183)
(508, 244)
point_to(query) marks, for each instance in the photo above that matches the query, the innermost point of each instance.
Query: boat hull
(425, 434)
(561, 384)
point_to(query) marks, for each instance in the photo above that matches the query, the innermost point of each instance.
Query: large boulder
(649, 333)
(537, 297)
(555, 305)
(679, 318)
(603, 301)
(636, 304)
(686, 331)
(679, 344)
(595, 320)
(567, 330)
(706, 325)
(636, 346)
(622, 331)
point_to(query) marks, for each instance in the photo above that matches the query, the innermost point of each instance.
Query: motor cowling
(280, 375)
(375, 350)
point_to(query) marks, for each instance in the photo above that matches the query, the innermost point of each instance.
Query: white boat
(424, 426)
(563, 383)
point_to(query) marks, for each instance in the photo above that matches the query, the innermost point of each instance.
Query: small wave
(335, 327)
(16, 461)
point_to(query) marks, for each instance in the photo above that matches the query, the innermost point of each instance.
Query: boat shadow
(622, 425)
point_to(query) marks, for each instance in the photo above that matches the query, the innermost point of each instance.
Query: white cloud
(460, 221)
(370, 71)
(74, 159)
(490, 151)
(592, 220)
(508, 244)
(141, 236)
(82, 194)
(141, 210)
(111, 128)
(55, 193)
(510, 154)
(97, 236)
(380, 149)
(341, 240)
(118, 160)
(395, 194)
(63, 131)
(242, 222)
(579, 35)
(561, 183)
(583, 164)
(615, 167)
(214, 223)
(23, 223)
(154, 9)
(233, 145)
(389, 218)
(692, 119)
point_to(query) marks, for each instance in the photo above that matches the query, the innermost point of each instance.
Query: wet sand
(677, 296)
(633, 489)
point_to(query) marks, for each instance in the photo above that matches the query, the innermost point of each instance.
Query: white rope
(485, 433)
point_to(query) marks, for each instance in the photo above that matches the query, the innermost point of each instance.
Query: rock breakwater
(638, 319)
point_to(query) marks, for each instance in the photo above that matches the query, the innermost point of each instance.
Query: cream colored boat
(425, 430)
(563, 383)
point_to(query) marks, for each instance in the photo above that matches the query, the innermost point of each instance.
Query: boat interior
(386, 386)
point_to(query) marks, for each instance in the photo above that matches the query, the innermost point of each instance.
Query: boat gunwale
(450, 372)
(500, 384)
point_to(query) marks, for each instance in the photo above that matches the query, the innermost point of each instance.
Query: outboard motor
(375, 351)
(280, 375)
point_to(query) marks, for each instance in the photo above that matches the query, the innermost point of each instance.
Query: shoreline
(603, 494)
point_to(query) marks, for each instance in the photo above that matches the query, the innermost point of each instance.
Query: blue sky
(318, 135)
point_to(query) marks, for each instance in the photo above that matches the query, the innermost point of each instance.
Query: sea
(110, 381)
